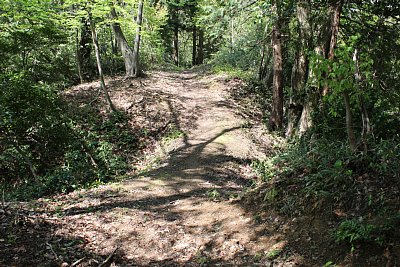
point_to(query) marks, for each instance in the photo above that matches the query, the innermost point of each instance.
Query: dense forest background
(324, 73)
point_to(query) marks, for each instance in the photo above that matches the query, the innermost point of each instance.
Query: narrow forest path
(184, 210)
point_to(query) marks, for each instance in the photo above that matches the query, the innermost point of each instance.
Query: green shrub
(356, 231)
(325, 174)
(353, 231)
(48, 147)
(31, 125)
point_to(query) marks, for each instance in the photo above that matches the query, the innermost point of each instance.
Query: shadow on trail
(152, 204)
(184, 164)
(190, 161)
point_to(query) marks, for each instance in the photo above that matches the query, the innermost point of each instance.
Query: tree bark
(127, 52)
(78, 57)
(349, 122)
(83, 51)
(276, 118)
(366, 130)
(262, 70)
(300, 67)
(137, 39)
(194, 46)
(113, 42)
(200, 48)
(176, 46)
(366, 125)
(98, 60)
(306, 122)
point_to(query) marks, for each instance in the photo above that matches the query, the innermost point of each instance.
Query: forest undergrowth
(355, 196)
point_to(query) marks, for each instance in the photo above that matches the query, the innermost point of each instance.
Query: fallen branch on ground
(108, 258)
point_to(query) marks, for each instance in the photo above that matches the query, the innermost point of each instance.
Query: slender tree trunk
(137, 39)
(96, 48)
(366, 130)
(194, 46)
(300, 67)
(232, 35)
(78, 57)
(176, 46)
(262, 68)
(276, 118)
(113, 42)
(349, 122)
(83, 51)
(200, 48)
(114, 51)
(265, 56)
(366, 125)
(127, 52)
(336, 7)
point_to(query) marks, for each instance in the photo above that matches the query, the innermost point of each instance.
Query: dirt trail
(183, 211)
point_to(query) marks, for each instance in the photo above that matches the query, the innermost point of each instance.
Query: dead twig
(95, 98)
(77, 262)
(108, 258)
(51, 248)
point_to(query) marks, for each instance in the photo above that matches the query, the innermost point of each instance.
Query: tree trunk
(176, 46)
(336, 7)
(232, 35)
(83, 51)
(200, 48)
(306, 122)
(78, 57)
(194, 46)
(127, 52)
(262, 70)
(276, 118)
(265, 56)
(322, 33)
(137, 39)
(113, 42)
(300, 67)
(366, 130)
(349, 122)
(366, 125)
(96, 48)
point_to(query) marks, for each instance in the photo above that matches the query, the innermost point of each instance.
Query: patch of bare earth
(183, 211)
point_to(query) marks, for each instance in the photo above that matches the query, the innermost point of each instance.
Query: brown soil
(183, 210)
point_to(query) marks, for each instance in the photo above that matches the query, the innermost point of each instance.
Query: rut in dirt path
(182, 212)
